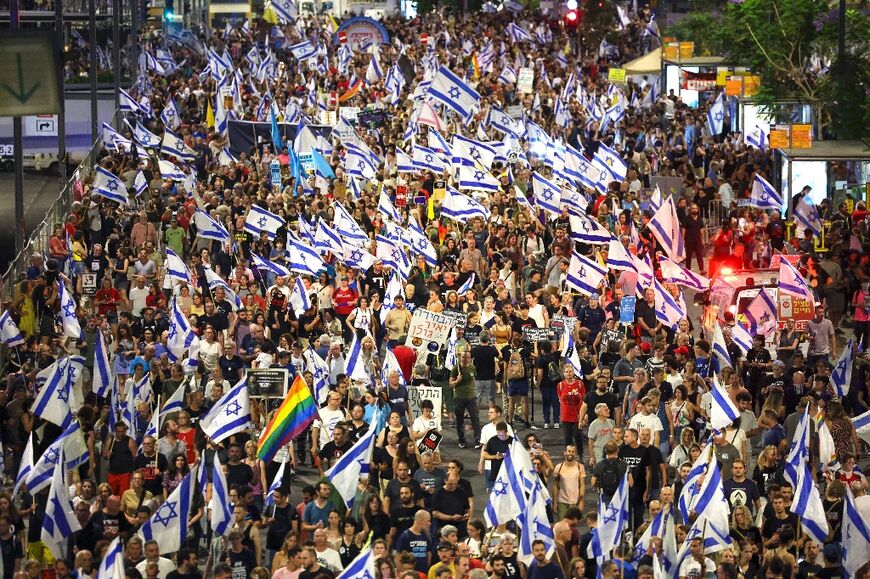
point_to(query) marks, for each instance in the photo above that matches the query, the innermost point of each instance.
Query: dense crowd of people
(630, 400)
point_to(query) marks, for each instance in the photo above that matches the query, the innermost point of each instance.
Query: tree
(792, 44)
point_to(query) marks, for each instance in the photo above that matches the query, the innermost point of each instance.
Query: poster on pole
(429, 327)
(626, 309)
(525, 80)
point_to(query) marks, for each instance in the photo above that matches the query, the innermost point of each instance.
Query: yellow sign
(734, 86)
(801, 136)
(751, 84)
(780, 137)
(687, 50)
(722, 74)
(672, 50)
(616, 75)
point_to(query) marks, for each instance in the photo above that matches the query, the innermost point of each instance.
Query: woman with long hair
(407, 453)
(173, 476)
(334, 529)
(394, 425)
(135, 496)
(374, 520)
(256, 465)
(743, 527)
(288, 551)
(768, 469)
(842, 430)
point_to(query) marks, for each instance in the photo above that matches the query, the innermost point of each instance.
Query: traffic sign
(28, 74)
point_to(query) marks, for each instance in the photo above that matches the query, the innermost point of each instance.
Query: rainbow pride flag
(296, 412)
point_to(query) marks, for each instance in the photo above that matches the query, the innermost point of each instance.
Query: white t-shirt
(165, 567)
(329, 558)
(426, 424)
(692, 569)
(639, 421)
(137, 299)
(328, 420)
(537, 314)
(487, 432)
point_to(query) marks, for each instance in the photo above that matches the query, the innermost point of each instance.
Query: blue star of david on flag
(478, 175)
(262, 222)
(112, 185)
(453, 92)
(500, 487)
(69, 309)
(166, 513)
(52, 455)
(233, 408)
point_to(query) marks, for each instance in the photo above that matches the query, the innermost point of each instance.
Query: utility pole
(61, 112)
(18, 152)
(842, 69)
(116, 50)
(92, 73)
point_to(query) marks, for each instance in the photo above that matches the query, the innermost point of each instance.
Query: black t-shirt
(347, 553)
(655, 459)
(451, 503)
(495, 446)
(402, 518)
(773, 525)
(512, 568)
(484, 358)
(647, 313)
(153, 472)
(107, 522)
(741, 493)
(280, 526)
(242, 563)
(176, 574)
(239, 475)
(232, 368)
(332, 451)
(542, 364)
(593, 399)
(11, 550)
(637, 460)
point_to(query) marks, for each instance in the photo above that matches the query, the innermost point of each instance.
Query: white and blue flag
(299, 299)
(461, 208)
(716, 116)
(793, 283)
(673, 272)
(548, 195)
(612, 161)
(103, 375)
(9, 332)
(174, 146)
(764, 196)
(346, 225)
(59, 522)
(277, 484)
(452, 92)
(71, 445)
(585, 275)
(535, 526)
(507, 500)
(112, 565)
(176, 268)
(665, 227)
(302, 257)
(723, 411)
(181, 335)
(26, 466)
(221, 510)
(478, 179)
(264, 265)
(668, 308)
(807, 505)
(230, 414)
(841, 374)
(110, 186)
(807, 216)
(169, 523)
(209, 228)
(286, 10)
(354, 464)
(362, 567)
(260, 220)
(303, 50)
(426, 159)
(760, 311)
(855, 542)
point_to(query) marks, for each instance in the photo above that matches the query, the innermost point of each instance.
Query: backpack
(610, 478)
(516, 370)
(554, 371)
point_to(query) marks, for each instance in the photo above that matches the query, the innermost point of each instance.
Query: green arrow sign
(21, 95)
(28, 82)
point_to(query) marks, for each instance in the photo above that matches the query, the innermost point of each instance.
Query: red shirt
(110, 295)
(344, 300)
(571, 396)
(406, 357)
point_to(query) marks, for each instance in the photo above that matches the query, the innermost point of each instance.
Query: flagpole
(157, 436)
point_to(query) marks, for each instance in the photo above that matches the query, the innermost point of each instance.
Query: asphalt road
(40, 191)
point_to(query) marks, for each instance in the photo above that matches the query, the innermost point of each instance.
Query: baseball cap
(445, 545)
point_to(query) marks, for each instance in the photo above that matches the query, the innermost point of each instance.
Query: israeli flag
(145, 137)
(661, 526)
(362, 567)
(760, 311)
(719, 347)
(209, 228)
(716, 116)
(326, 239)
(508, 75)
(386, 207)
(841, 375)
(286, 10)
(353, 465)
(169, 524)
(507, 501)
(614, 518)
(741, 337)
(521, 198)
(807, 505)
(452, 92)
(536, 526)
(417, 241)
(426, 159)
(181, 335)
(764, 196)
(855, 543)
(359, 164)
(569, 353)
(618, 256)
(757, 138)
(404, 163)
(723, 411)
(467, 286)
(110, 186)
(587, 230)
(277, 484)
(548, 195)
(128, 103)
(461, 208)
(584, 275)
(501, 121)
(221, 511)
(807, 217)
(169, 170)
(793, 283)
(303, 50)
(26, 466)
(174, 146)
(260, 220)
(518, 33)
(59, 522)
(668, 309)
(170, 117)
(672, 272)
(140, 184)
(9, 332)
(230, 414)
(614, 163)
(176, 268)
(355, 367)
(70, 445)
(174, 403)
(302, 258)
(112, 565)
(665, 227)
(299, 297)
(320, 371)
(477, 179)
(68, 316)
(103, 374)
(265, 265)
(374, 73)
